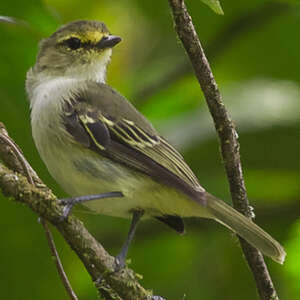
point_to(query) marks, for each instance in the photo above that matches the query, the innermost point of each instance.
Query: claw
(67, 210)
(120, 261)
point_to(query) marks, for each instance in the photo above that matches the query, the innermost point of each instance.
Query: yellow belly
(82, 172)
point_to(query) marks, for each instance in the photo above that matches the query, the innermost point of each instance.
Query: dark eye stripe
(73, 43)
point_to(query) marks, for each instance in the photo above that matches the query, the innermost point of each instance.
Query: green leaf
(215, 6)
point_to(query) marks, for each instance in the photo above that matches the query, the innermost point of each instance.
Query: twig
(223, 39)
(94, 257)
(228, 139)
(58, 263)
(28, 172)
(114, 285)
(12, 155)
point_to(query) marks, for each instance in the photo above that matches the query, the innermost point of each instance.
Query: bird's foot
(120, 264)
(120, 261)
(68, 203)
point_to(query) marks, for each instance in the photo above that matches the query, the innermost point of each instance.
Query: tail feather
(244, 227)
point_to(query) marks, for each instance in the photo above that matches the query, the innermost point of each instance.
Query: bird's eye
(73, 43)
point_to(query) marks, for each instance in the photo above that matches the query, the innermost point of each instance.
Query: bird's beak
(108, 42)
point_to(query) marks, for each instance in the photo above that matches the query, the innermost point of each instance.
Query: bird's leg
(68, 203)
(121, 257)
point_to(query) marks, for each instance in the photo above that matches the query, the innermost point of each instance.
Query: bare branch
(228, 139)
(58, 263)
(223, 39)
(14, 157)
(114, 285)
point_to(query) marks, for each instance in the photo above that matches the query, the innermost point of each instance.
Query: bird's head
(79, 48)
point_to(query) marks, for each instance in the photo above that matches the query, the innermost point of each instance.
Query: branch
(15, 159)
(223, 39)
(228, 139)
(57, 261)
(114, 285)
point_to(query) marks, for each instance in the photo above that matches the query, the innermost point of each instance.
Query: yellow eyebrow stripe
(88, 36)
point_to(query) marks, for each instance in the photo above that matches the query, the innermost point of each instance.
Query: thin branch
(12, 155)
(58, 263)
(228, 139)
(223, 39)
(114, 285)
(27, 171)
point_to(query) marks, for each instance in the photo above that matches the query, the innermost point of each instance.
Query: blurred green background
(254, 53)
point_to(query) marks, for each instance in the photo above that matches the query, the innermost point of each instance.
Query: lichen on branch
(114, 285)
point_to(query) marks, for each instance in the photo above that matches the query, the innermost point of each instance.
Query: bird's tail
(244, 227)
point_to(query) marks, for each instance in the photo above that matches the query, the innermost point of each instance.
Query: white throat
(90, 71)
(94, 71)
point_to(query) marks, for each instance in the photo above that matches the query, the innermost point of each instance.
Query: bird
(96, 144)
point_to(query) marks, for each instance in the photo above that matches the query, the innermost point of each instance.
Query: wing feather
(155, 147)
(129, 143)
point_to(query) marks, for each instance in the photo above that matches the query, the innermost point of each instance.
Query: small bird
(93, 142)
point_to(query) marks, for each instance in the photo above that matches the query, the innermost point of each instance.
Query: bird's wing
(96, 121)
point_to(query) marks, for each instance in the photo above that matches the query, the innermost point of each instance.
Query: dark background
(254, 53)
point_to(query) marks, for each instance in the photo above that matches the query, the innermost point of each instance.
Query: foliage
(258, 73)
(214, 5)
